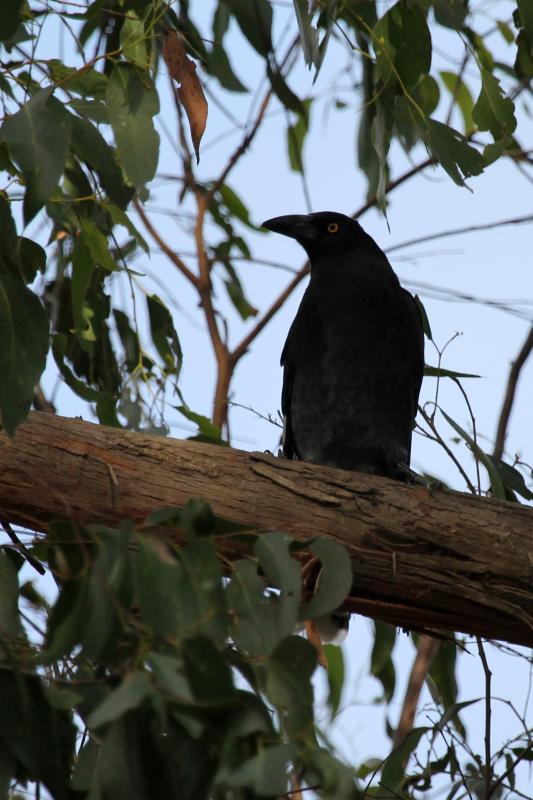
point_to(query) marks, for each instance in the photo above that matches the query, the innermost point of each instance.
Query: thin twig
(440, 440)
(176, 260)
(22, 548)
(488, 676)
(425, 652)
(508, 401)
(487, 226)
(510, 770)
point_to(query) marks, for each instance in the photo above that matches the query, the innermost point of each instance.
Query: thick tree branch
(428, 560)
(514, 374)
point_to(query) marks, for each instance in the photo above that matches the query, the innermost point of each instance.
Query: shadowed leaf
(131, 102)
(38, 137)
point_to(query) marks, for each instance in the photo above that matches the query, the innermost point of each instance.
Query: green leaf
(110, 590)
(219, 65)
(91, 147)
(450, 149)
(442, 671)
(59, 351)
(132, 101)
(393, 772)
(87, 82)
(523, 65)
(282, 89)
(158, 575)
(335, 661)
(130, 694)
(25, 338)
(9, 592)
(526, 17)
(90, 109)
(10, 18)
(380, 136)
(381, 663)
(168, 672)
(32, 258)
(235, 205)
(296, 137)
(164, 334)
(334, 582)
(513, 480)
(97, 245)
(308, 34)
(255, 21)
(252, 611)
(82, 272)
(440, 372)
(38, 137)
(505, 31)
(266, 773)
(119, 217)
(496, 486)
(133, 40)
(451, 13)
(207, 432)
(425, 318)
(236, 292)
(493, 111)
(288, 685)
(402, 44)
(207, 670)
(283, 572)
(202, 598)
(41, 738)
(461, 95)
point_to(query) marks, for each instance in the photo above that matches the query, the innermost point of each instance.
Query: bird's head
(324, 233)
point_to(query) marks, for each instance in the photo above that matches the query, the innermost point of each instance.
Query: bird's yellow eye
(332, 227)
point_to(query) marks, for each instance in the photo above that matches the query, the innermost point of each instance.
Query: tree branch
(425, 652)
(508, 400)
(486, 226)
(421, 559)
(174, 257)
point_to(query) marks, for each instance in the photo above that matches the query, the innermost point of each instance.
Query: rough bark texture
(421, 559)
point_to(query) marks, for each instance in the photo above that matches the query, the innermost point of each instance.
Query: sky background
(493, 265)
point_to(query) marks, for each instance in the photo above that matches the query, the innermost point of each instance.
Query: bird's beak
(297, 226)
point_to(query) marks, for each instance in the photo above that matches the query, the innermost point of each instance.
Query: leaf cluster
(186, 682)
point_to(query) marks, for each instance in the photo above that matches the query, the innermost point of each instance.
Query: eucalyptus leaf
(24, 333)
(132, 101)
(38, 137)
(131, 692)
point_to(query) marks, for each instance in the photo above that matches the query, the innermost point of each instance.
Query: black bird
(354, 356)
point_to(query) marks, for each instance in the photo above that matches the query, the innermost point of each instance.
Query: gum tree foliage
(157, 672)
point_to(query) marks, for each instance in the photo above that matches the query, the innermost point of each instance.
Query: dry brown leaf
(190, 92)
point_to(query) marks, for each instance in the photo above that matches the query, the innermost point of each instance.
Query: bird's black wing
(417, 350)
(288, 443)
(300, 360)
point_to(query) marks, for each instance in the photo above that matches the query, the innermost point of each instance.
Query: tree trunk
(428, 560)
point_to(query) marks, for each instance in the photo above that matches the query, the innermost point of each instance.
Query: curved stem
(510, 392)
